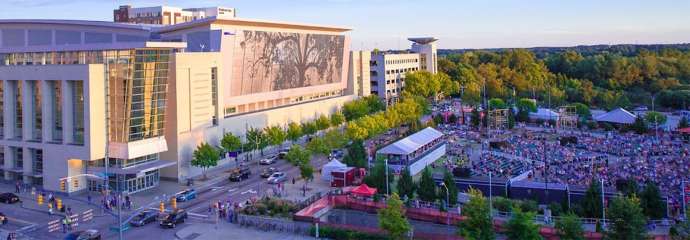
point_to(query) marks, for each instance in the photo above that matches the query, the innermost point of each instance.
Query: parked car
(9, 198)
(239, 174)
(186, 195)
(269, 160)
(283, 153)
(176, 217)
(144, 218)
(337, 154)
(90, 234)
(277, 177)
(267, 172)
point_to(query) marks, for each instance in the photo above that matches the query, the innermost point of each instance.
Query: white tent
(618, 116)
(330, 167)
(544, 114)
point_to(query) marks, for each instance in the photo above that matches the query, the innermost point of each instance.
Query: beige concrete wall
(359, 77)
(62, 160)
(187, 141)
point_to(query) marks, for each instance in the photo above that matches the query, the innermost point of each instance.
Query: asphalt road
(222, 189)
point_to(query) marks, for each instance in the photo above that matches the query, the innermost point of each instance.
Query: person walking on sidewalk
(16, 187)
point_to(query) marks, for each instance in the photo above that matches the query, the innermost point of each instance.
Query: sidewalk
(226, 230)
(29, 201)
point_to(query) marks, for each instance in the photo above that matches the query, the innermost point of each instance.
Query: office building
(129, 103)
(166, 15)
(388, 68)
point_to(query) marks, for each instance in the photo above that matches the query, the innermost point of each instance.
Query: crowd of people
(591, 156)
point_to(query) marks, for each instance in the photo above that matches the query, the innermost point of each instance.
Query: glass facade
(36, 131)
(18, 157)
(37, 156)
(78, 112)
(18, 110)
(137, 81)
(2, 109)
(56, 88)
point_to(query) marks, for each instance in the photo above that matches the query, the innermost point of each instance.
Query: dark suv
(239, 174)
(178, 216)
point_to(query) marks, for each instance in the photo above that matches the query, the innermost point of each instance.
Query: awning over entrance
(140, 168)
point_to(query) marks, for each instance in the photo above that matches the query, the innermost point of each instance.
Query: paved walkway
(224, 231)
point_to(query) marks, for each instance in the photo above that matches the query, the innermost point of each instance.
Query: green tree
(683, 123)
(356, 155)
(628, 221)
(204, 157)
(230, 142)
(639, 126)
(449, 181)
(406, 186)
(309, 128)
(356, 132)
(475, 118)
(479, 225)
(427, 186)
(318, 146)
(294, 132)
(655, 118)
(298, 155)
(335, 139)
(582, 111)
(337, 118)
(497, 103)
(306, 171)
(377, 176)
(524, 107)
(592, 204)
(322, 122)
(392, 218)
(569, 227)
(521, 226)
(650, 201)
(276, 135)
(256, 139)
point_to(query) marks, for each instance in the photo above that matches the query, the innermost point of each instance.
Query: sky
(386, 24)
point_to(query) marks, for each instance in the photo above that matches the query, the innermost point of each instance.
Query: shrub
(343, 234)
(503, 204)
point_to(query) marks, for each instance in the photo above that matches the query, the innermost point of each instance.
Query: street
(219, 188)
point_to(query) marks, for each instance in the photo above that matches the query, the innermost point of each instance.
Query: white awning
(618, 115)
(412, 143)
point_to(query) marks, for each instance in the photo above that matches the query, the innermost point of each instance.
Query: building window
(37, 161)
(37, 132)
(78, 112)
(18, 110)
(18, 157)
(2, 109)
(214, 94)
(56, 86)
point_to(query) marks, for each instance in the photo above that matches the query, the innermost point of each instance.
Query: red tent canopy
(684, 130)
(364, 190)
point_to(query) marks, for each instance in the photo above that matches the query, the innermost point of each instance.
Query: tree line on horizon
(604, 79)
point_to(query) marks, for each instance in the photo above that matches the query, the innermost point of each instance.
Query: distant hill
(585, 50)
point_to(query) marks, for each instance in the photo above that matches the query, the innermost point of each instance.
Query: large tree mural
(270, 61)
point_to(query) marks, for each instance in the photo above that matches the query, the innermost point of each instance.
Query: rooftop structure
(166, 15)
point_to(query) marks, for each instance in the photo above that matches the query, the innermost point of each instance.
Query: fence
(274, 224)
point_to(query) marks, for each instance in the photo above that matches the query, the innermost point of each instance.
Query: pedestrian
(16, 187)
(64, 225)
(293, 181)
(88, 198)
(50, 209)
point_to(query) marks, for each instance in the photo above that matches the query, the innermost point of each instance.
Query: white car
(268, 161)
(277, 177)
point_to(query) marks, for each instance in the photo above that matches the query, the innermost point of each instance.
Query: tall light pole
(386, 173)
(603, 206)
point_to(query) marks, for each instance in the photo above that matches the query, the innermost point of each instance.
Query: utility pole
(491, 207)
(603, 206)
(387, 190)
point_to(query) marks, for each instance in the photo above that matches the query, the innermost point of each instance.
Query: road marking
(251, 191)
(216, 188)
(232, 189)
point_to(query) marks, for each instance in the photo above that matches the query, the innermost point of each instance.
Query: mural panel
(272, 61)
